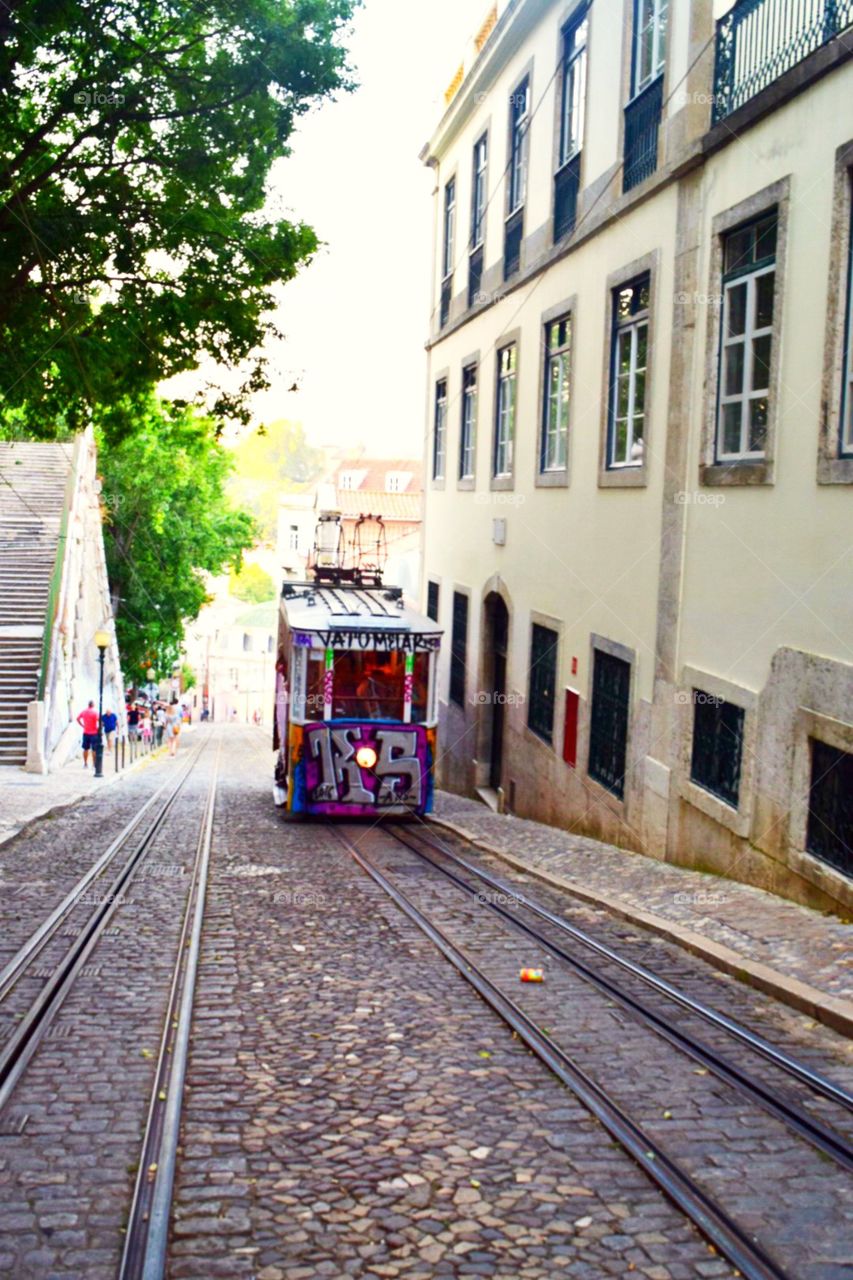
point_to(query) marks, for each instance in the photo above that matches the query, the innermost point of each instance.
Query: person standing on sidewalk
(110, 723)
(88, 722)
(159, 724)
(173, 727)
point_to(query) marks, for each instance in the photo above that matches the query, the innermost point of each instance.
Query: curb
(832, 1011)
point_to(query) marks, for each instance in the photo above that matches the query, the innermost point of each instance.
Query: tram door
(497, 629)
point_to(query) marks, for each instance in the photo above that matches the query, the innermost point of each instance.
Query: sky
(357, 318)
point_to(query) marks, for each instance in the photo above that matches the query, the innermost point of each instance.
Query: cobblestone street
(352, 1107)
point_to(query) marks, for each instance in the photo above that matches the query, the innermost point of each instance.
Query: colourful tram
(356, 699)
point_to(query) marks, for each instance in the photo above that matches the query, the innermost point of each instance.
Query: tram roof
(311, 606)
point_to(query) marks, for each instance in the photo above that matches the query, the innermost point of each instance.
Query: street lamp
(102, 640)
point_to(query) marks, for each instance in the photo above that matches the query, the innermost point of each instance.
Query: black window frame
(542, 684)
(519, 146)
(845, 447)
(458, 648)
(564, 352)
(637, 315)
(448, 228)
(569, 57)
(468, 427)
(716, 755)
(439, 434)
(433, 599)
(479, 185)
(505, 378)
(831, 777)
(607, 756)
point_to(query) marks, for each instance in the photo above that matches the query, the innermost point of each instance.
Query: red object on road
(531, 975)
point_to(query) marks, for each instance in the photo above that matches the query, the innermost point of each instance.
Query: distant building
(231, 649)
(638, 515)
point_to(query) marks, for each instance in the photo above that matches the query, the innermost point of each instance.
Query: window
(555, 427)
(458, 648)
(350, 479)
(717, 746)
(505, 411)
(608, 728)
(650, 18)
(478, 192)
(749, 274)
(829, 834)
(247, 642)
(846, 444)
(543, 680)
(397, 481)
(467, 437)
(293, 537)
(574, 87)
(439, 441)
(449, 219)
(628, 373)
(432, 601)
(519, 119)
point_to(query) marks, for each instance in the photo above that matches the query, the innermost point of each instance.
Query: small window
(749, 275)
(397, 481)
(505, 412)
(543, 680)
(449, 228)
(630, 348)
(650, 23)
(717, 746)
(468, 433)
(293, 538)
(846, 443)
(608, 725)
(269, 644)
(829, 833)
(459, 648)
(247, 642)
(478, 191)
(350, 479)
(439, 443)
(555, 427)
(519, 119)
(432, 601)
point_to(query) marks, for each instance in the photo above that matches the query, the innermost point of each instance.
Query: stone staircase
(33, 480)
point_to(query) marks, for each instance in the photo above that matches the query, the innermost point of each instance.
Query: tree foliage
(167, 519)
(252, 584)
(270, 461)
(136, 234)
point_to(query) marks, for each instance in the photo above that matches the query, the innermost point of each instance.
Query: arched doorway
(495, 636)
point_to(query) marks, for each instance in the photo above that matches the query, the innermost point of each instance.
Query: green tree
(188, 677)
(253, 584)
(137, 235)
(272, 460)
(167, 519)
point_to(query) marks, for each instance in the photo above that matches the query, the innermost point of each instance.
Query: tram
(356, 698)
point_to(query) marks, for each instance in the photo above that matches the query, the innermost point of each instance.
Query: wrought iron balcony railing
(446, 294)
(475, 275)
(513, 232)
(642, 123)
(758, 40)
(566, 183)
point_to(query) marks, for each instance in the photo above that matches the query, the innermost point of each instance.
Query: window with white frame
(574, 86)
(293, 540)
(350, 479)
(449, 225)
(467, 436)
(555, 426)
(397, 481)
(650, 20)
(846, 443)
(519, 119)
(505, 412)
(630, 349)
(439, 440)
(749, 278)
(478, 191)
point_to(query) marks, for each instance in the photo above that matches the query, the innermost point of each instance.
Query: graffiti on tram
(361, 769)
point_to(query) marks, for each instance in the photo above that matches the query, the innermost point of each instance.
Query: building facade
(639, 527)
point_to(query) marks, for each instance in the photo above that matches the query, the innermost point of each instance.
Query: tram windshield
(367, 685)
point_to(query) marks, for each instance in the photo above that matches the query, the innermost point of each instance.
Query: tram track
(703, 1206)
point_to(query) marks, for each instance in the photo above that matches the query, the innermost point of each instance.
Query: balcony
(759, 40)
(566, 183)
(513, 232)
(446, 295)
(642, 122)
(475, 275)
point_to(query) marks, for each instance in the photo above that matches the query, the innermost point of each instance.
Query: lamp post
(102, 640)
(152, 690)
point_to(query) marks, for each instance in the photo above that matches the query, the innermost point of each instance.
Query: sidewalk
(797, 955)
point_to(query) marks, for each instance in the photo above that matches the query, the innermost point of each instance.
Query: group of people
(149, 723)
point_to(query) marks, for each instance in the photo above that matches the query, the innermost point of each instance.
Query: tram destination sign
(367, 638)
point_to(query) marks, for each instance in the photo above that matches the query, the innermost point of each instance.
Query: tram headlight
(365, 757)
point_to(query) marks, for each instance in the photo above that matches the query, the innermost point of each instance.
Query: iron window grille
(475, 275)
(566, 187)
(439, 442)
(846, 416)
(642, 126)
(628, 372)
(468, 432)
(519, 120)
(555, 426)
(432, 601)
(458, 648)
(543, 680)
(746, 340)
(505, 412)
(608, 725)
(513, 234)
(829, 831)
(715, 762)
(446, 295)
(478, 191)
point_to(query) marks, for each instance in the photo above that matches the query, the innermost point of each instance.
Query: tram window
(420, 687)
(314, 685)
(369, 685)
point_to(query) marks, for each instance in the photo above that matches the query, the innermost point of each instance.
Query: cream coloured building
(639, 516)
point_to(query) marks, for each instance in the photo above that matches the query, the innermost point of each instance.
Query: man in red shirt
(88, 721)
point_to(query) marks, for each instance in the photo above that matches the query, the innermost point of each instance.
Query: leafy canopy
(270, 461)
(252, 584)
(136, 236)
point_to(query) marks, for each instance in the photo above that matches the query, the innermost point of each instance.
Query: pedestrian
(159, 724)
(146, 729)
(110, 723)
(133, 722)
(88, 722)
(173, 727)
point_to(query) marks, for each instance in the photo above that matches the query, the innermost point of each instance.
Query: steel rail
(146, 1240)
(712, 1220)
(22, 1044)
(820, 1084)
(821, 1136)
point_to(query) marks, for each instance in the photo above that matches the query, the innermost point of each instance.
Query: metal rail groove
(820, 1084)
(746, 1254)
(22, 1044)
(806, 1126)
(146, 1240)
